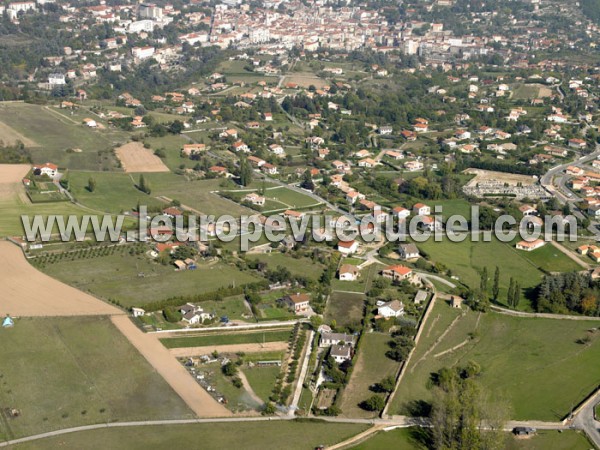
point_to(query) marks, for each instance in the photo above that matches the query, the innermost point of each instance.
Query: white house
(57, 79)
(328, 339)
(137, 312)
(46, 169)
(421, 209)
(401, 213)
(408, 251)
(395, 308)
(348, 272)
(347, 247)
(341, 353)
(193, 314)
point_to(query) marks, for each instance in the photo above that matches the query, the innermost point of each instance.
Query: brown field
(489, 175)
(171, 370)
(10, 180)
(28, 292)
(135, 158)
(305, 80)
(10, 136)
(232, 348)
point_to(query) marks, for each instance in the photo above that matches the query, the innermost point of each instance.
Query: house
(401, 213)
(352, 196)
(367, 162)
(172, 212)
(430, 223)
(413, 166)
(574, 170)
(137, 312)
(254, 199)
(296, 302)
(397, 273)
(385, 130)
(341, 353)
(408, 251)
(577, 143)
(348, 272)
(395, 308)
(456, 301)
(528, 210)
(48, 169)
(90, 122)
(291, 214)
(180, 264)
(219, 170)
(268, 117)
(420, 296)
(347, 247)
(191, 149)
(240, 146)
(529, 246)
(328, 339)
(269, 169)
(193, 314)
(276, 149)
(420, 209)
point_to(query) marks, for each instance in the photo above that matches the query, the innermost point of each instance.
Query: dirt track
(233, 348)
(171, 370)
(28, 292)
(135, 158)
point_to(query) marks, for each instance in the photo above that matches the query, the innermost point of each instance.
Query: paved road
(585, 419)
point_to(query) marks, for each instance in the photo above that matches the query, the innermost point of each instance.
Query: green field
(262, 380)
(535, 364)
(172, 145)
(55, 132)
(451, 207)
(297, 266)
(138, 280)
(466, 259)
(59, 373)
(371, 367)
(345, 308)
(363, 284)
(290, 198)
(218, 338)
(414, 439)
(114, 193)
(291, 435)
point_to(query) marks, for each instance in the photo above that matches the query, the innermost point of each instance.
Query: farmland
(137, 280)
(549, 370)
(57, 132)
(135, 157)
(292, 435)
(345, 308)
(61, 376)
(371, 367)
(466, 258)
(220, 338)
(297, 266)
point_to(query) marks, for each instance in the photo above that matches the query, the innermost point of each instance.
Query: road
(585, 420)
(302, 376)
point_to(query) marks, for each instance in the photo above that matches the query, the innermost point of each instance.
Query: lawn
(55, 132)
(297, 266)
(289, 197)
(363, 284)
(238, 399)
(171, 144)
(535, 364)
(135, 280)
(291, 435)
(197, 194)
(262, 380)
(466, 259)
(345, 308)
(550, 259)
(371, 366)
(451, 207)
(218, 338)
(415, 439)
(114, 192)
(67, 372)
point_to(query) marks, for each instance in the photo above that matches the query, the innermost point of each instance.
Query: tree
(229, 369)
(373, 403)
(171, 314)
(484, 281)
(516, 296)
(511, 292)
(245, 172)
(388, 384)
(496, 287)
(91, 186)
(143, 186)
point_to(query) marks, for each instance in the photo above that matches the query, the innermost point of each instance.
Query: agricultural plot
(62, 375)
(538, 365)
(530, 91)
(135, 280)
(466, 259)
(61, 139)
(231, 338)
(135, 157)
(345, 308)
(371, 367)
(301, 266)
(291, 435)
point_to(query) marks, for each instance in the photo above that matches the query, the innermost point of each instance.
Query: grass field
(291, 435)
(114, 193)
(289, 197)
(172, 145)
(227, 339)
(363, 284)
(413, 439)
(371, 367)
(297, 266)
(60, 373)
(118, 277)
(262, 380)
(535, 364)
(55, 131)
(345, 308)
(467, 258)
